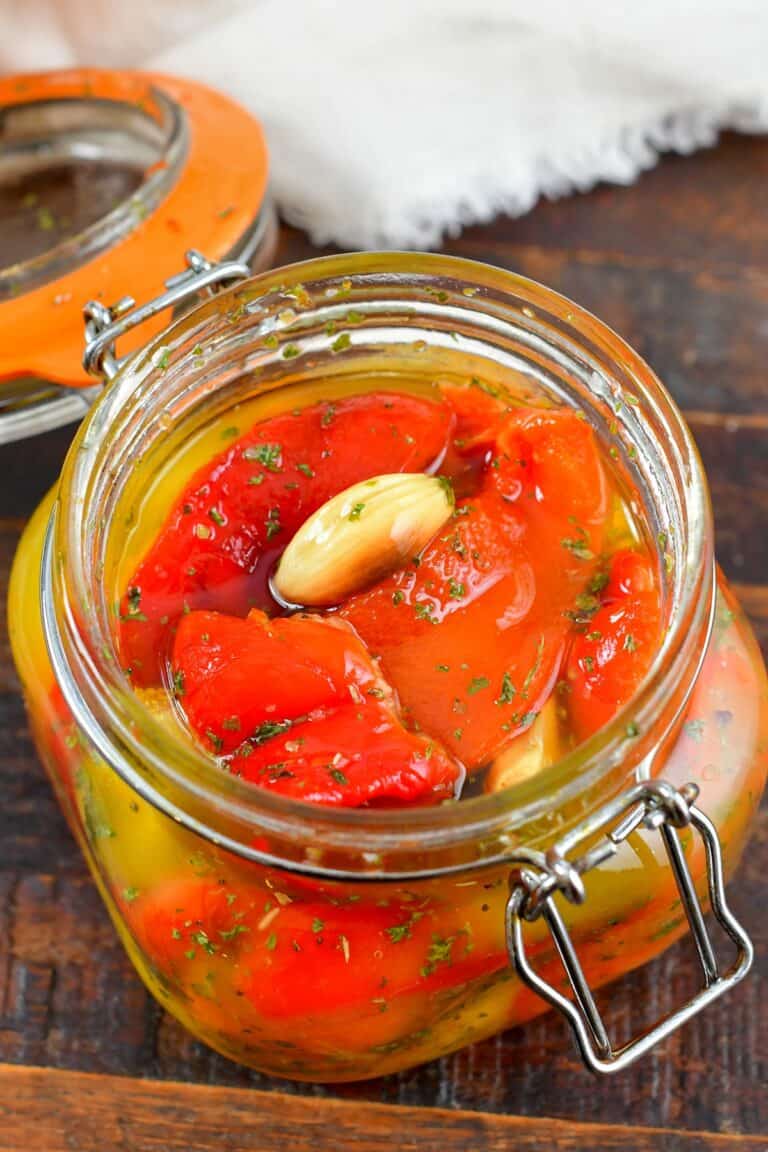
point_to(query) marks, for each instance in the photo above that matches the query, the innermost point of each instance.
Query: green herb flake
(217, 517)
(268, 730)
(271, 942)
(298, 293)
(694, 729)
(231, 933)
(489, 389)
(456, 590)
(423, 611)
(134, 612)
(534, 668)
(342, 342)
(291, 351)
(398, 597)
(577, 546)
(630, 644)
(337, 775)
(439, 953)
(215, 740)
(138, 208)
(202, 939)
(272, 523)
(268, 455)
(130, 894)
(399, 932)
(457, 545)
(508, 690)
(477, 684)
(447, 486)
(356, 512)
(317, 925)
(305, 468)
(328, 416)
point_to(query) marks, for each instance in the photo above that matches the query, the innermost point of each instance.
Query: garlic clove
(529, 753)
(360, 535)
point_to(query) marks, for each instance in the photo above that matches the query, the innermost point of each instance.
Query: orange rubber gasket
(218, 194)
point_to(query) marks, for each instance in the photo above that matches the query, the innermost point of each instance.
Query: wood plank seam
(45, 1110)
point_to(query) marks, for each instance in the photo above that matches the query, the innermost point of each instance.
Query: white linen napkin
(392, 122)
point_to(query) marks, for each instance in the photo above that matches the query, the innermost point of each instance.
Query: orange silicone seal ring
(216, 196)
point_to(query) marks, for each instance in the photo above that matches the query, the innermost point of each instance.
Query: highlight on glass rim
(366, 601)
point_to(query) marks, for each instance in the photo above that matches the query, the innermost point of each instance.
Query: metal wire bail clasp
(539, 877)
(105, 325)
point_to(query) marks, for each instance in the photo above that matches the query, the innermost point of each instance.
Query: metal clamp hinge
(534, 884)
(105, 325)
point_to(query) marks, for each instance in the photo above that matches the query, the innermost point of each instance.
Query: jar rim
(433, 840)
(168, 118)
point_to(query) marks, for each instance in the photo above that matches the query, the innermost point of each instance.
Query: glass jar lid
(106, 179)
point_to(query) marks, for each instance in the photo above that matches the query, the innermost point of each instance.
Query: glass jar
(328, 944)
(105, 180)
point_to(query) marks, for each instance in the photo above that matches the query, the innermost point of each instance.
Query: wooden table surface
(679, 265)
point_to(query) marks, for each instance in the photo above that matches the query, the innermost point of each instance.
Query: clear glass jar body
(342, 945)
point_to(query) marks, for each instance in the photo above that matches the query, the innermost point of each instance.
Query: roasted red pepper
(297, 959)
(182, 918)
(361, 958)
(305, 711)
(472, 633)
(615, 647)
(461, 646)
(238, 512)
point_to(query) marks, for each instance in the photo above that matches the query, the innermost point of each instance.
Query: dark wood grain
(679, 264)
(42, 1110)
